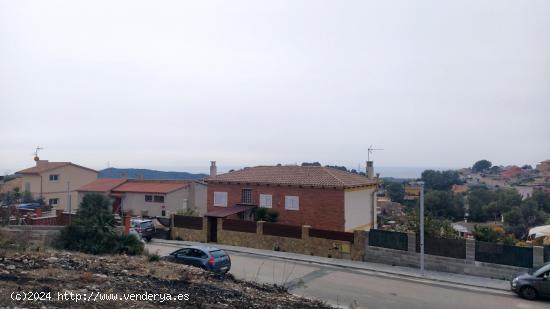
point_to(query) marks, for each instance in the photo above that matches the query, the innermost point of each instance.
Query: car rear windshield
(217, 253)
(146, 224)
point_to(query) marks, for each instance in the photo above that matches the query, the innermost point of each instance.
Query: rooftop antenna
(370, 150)
(38, 148)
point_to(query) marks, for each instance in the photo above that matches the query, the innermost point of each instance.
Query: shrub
(153, 257)
(263, 214)
(191, 212)
(93, 231)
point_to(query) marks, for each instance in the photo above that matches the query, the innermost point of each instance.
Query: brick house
(322, 197)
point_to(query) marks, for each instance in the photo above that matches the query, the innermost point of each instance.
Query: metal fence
(506, 255)
(239, 225)
(187, 222)
(387, 239)
(453, 248)
(334, 235)
(284, 230)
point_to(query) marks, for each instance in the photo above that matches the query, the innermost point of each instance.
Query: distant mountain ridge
(135, 173)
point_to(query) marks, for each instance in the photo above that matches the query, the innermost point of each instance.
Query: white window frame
(292, 202)
(55, 180)
(266, 200)
(53, 199)
(249, 197)
(222, 196)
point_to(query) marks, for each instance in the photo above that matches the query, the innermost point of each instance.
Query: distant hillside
(147, 174)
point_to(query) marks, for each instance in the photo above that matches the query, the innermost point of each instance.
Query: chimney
(370, 170)
(41, 162)
(213, 169)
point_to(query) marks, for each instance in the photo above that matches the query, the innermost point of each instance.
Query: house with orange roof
(322, 197)
(149, 197)
(56, 182)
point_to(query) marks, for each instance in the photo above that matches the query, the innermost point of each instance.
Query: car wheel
(528, 293)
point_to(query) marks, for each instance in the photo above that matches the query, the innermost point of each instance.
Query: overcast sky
(173, 84)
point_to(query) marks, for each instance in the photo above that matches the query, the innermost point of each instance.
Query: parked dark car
(207, 258)
(144, 227)
(534, 283)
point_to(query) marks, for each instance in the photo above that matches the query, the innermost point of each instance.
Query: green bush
(93, 231)
(153, 257)
(263, 214)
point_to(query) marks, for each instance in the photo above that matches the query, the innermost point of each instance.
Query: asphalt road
(343, 287)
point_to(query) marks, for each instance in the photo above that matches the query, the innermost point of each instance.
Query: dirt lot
(66, 279)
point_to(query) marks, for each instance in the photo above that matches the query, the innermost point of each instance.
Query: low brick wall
(251, 234)
(303, 245)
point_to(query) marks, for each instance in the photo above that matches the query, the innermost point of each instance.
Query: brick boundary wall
(358, 249)
(302, 243)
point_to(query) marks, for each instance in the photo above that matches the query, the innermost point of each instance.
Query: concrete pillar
(305, 232)
(126, 224)
(411, 242)
(470, 250)
(219, 230)
(538, 256)
(358, 248)
(306, 246)
(259, 228)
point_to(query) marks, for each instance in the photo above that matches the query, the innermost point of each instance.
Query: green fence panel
(453, 248)
(388, 239)
(506, 255)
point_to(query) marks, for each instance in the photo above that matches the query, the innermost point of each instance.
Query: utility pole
(69, 200)
(421, 183)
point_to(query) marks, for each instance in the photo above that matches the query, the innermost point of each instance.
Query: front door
(212, 229)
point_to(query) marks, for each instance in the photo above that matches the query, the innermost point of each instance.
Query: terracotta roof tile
(151, 186)
(47, 166)
(102, 185)
(314, 176)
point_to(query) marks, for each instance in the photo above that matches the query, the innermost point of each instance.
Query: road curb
(382, 273)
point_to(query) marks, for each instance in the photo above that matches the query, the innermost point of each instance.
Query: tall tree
(440, 180)
(481, 165)
(396, 191)
(444, 204)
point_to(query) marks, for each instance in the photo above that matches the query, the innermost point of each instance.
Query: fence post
(411, 242)
(172, 236)
(259, 228)
(358, 248)
(205, 229)
(219, 230)
(306, 246)
(538, 256)
(470, 250)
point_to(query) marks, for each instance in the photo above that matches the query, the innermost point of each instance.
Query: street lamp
(421, 183)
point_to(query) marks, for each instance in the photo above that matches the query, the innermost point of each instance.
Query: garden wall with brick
(280, 237)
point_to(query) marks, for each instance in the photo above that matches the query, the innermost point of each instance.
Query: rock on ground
(56, 272)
